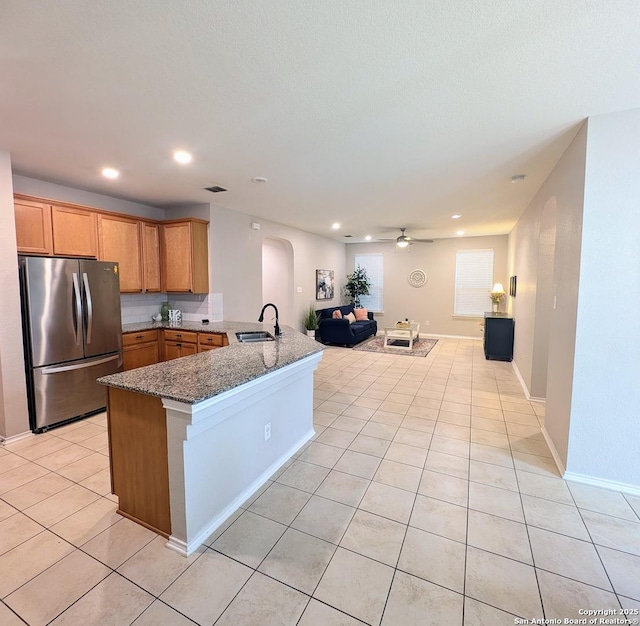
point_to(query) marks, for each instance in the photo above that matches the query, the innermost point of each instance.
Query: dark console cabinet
(498, 336)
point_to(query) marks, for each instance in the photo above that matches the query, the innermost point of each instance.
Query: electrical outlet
(426, 322)
(267, 431)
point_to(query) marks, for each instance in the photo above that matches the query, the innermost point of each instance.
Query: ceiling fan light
(403, 243)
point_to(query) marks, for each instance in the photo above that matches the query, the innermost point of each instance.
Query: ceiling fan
(404, 240)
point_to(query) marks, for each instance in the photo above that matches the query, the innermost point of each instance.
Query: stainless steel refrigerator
(72, 333)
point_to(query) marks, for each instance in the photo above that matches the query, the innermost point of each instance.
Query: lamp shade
(498, 289)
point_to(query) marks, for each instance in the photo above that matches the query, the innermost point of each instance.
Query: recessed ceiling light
(456, 217)
(518, 178)
(110, 172)
(259, 179)
(460, 233)
(367, 238)
(182, 157)
(335, 226)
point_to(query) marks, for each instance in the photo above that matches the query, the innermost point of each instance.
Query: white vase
(311, 333)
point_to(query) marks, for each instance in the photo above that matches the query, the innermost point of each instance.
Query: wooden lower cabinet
(175, 349)
(140, 349)
(211, 341)
(137, 426)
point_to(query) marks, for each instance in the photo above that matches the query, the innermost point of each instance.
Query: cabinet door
(74, 232)
(185, 256)
(140, 355)
(188, 349)
(33, 227)
(172, 350)
(151, 257)
(176, 256)
(119, 240)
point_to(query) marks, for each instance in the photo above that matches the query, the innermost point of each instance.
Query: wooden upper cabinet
(151, 257)
(74, 231)
(33, 227)
(119, 239)
(185, 256)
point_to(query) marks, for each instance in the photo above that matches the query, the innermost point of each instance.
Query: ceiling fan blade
(422, 240)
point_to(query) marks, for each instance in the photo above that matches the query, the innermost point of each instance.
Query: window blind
(373, 264)
(474, 280)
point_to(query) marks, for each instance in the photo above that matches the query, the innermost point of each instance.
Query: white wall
(277, 278)
(604, 437)
(434, 301)
(235, 262)
(14, 418)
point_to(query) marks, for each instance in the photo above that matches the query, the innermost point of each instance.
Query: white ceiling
(374, 113)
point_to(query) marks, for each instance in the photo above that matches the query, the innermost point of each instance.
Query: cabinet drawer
(213, 339)
(180, 335)
(144, 336)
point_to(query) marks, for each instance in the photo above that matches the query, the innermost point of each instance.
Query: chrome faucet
(275, 308)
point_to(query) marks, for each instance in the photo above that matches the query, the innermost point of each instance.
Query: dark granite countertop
(192, 379)
(196, 327)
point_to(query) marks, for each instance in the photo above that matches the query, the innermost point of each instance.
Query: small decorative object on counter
(164, 311)
(157, 317)
(175, 316)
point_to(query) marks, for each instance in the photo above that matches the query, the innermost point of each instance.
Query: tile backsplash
(140, 307)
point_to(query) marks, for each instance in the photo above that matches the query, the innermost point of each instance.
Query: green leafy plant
(357, 285)
(310, 319)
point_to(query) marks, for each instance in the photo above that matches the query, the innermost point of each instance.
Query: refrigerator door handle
(78, 366)
(87, 290)
(76, 291)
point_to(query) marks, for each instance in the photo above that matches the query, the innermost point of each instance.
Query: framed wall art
(512, 286)
(325, 284)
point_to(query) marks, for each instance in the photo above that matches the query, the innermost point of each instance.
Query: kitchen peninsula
(192, 438)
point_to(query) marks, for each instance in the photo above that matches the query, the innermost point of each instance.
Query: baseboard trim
(187, 548)
(633, 490)
(554, 452)
(450, 336)
(524, 385)
(5, 440)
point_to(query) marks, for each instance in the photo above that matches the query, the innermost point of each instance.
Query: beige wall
(44, 189)
(533, 254)
(544, 251)
(14, 419)
(434, 301)
(567, 184)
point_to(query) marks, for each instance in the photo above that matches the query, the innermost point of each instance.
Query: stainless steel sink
(254, 336)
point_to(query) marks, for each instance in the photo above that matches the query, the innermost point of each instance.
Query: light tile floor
(428, 496)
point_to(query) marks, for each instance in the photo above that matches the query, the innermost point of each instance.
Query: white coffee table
(401, 338)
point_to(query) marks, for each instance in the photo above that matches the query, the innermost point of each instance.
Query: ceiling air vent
(215, 189)
(347, 236)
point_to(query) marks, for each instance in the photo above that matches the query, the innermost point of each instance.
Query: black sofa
(340, 331)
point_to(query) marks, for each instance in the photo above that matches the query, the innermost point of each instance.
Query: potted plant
(310, 321)
(357, 285)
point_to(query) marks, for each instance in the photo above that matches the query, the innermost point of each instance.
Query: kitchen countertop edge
(195, 378)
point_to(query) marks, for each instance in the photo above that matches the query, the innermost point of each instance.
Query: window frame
(468, 295)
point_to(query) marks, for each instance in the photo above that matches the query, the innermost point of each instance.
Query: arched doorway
(277, 277)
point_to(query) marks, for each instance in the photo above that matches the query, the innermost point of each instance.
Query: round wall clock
(417, 278)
